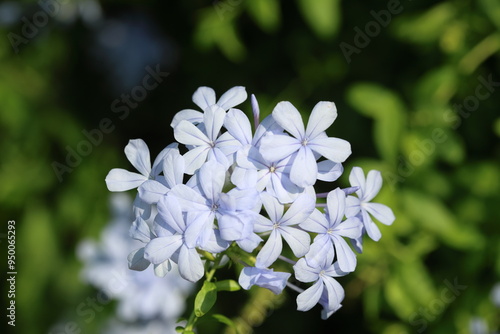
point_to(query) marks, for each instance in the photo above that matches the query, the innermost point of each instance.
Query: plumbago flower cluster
(236, 194)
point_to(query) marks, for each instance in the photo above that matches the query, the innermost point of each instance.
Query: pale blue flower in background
(495, 295)
(331, 229)
(283, 225)
(157, 326)
(362, 207)
(263, 277)
(304, 142)
(140, 295)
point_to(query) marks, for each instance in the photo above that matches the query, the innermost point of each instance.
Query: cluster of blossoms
(234, 188)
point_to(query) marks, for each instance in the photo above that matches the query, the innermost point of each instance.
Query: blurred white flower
(141, 296)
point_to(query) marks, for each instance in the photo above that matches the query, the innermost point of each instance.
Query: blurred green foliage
(398, 101)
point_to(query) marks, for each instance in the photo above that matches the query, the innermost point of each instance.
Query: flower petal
(277, 147)
(173, 168)
(381, 212)
(357, 179)
(161, 269)
(320, 248)
(336, 206)
(335, 293)
(170, 210)
(121, 180)
(372, 186)
(151, 191)
(273, 208)
(299, 211)
(195, 158)
(158, 163)
(304, 272)
(211, 179)
(345, 256)
(238, 125)
(249, 243)
(204, 97)
(283, 188)
(334, 149)
(289, 118)
(232, 97)
(351, 228)
(371, 228)
(310, 297)
(213, 119)
(190, 264)
(189, 199)
(268, 125)
(304, 170)
(188, 134)
(140, 230)
(137, 153)
(329, 171)
(322, 116)
(263, 277)
(244, 178)
(190, 115)
(298, 240)
(161, 249)
(270, 251)
(316, 222)
(136, 260)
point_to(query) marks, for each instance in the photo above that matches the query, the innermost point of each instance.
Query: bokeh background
(418, 96)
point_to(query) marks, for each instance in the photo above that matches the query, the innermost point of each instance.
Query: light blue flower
(233, 210)
(137, 153)
(263, 277)
(173, 173)
(204, 98)
(362, 207)
(304, 143)
(331, 229)
(283, 226)
(325, 290)
(206, 142)
(166, 244)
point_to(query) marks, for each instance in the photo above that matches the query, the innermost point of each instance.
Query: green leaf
(430, 214)
(323, 16)
(205, 299)
(396, 295)
(492, 9)
(388, 111)
(266, 13)
(227, 285)
(427, 27)
(225, 320)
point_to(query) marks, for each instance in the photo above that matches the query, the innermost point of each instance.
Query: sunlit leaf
(323, 16)
(205, 299)
(266, 13)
